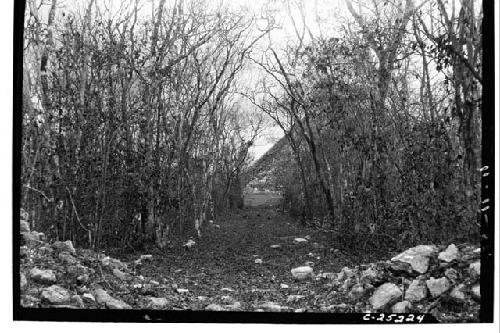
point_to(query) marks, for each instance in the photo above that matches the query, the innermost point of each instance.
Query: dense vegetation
(136, 123)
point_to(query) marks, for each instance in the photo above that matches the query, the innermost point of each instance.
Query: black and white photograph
(264, 161)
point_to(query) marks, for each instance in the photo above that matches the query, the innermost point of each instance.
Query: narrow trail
(223, 262)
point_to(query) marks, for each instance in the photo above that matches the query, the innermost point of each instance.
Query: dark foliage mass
(137, 125)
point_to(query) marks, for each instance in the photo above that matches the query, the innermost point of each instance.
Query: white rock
(119, 274)
(284, 286)
(64, 246)
(182, 291)
(67, 258)
(271, 307)
(417, 257)
(275, 246)
(437, 286)
(190, 243)
(302, 272)
(475, 269)
(476, 292)
(154, 282)
(300, 240)
(385, 294)
(227, 289)
(24, 226)
(457, 293)
(56, 295)
(23, 281)
(103, 298)
(294, 298)
(146, 257)
(157, 302)
(417, 291)
(401, 307)
(450, 254)
(258, 261)
(202, 298)
(88, 298)
(357, 292)
(214, 307)
(345, 273)
(233, 307)
(42, 276)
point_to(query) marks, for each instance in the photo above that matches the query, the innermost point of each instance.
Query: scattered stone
(476, 292)
(370, 275)
(33, 237)
(55, 295)
(227, 299)
(300, 240)
(146, 257)
(384, 295)
(401, 307)
(182, 291)
(67, 258)
(417, 291)
(77, 301)
(214, 307)
(24, 226)
(452, 274)
(23, 281)
(345, 273)
(202, 298)
(82, 279)
(271, 307)
(42, 276)
(236, 306)
(157, 302)
(190, 243)
(119, 274)
(450, 254)
(284, 286)
(357, 292)
(417, 257)
(302, 272)
(227, 289)
(154, 283)
(258, 261)
(457, 294)
(275, 246)
(113, 263)
(103, 298)
(66, 246)
(437, 286)
(475, 269)
(348, 283)
(89, 298)
(294, 298)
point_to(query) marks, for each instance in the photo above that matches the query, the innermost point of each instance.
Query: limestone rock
(24, 226)
(103, 298)
(271, 307)
(214, 307)
(302, 272)
(77, 301)
(113, 263)
(294, 298)
(357, 292)
(401, 307)
(475, 269)
(82, 279)
(236, 306)
(299, 240)
(66, 246)
(119, 274)
(476, 292)
(371, 276)
(227, 299)
(284, 286)
(146, 257)
(417, 291)
(457, 294)
(438, 286)
(258, 261)
(157, 302)
(182, 291)
(417, 257)
(275, 246)
(87, 297)
(67, 258)
(42, 276)
(384, 295)
(451, 253)
(452, 274)
(190, 243)
(55, 295)
(345, 273)
(23, 281)
(33, 237)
